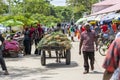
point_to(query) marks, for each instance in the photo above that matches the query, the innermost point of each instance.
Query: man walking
(2, 62)
(88, 37)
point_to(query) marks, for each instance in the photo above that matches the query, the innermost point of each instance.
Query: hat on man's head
(87, 24)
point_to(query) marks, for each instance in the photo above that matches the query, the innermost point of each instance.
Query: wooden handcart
(61, 53)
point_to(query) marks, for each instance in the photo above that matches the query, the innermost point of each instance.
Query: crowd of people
(88, 34)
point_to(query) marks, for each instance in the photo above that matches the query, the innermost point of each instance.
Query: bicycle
(104, 44)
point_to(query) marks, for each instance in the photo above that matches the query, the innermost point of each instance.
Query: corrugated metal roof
(109, 9)
(107, 2)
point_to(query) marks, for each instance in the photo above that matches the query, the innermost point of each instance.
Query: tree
(29, 11)
(80, 6)
(64, 13)
(36, 6)
(3, 7)
(28, 6)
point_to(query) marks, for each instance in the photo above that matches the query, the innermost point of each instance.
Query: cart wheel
(68, 57)
(43, 58)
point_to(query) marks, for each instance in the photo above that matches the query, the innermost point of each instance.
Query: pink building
(103, 5)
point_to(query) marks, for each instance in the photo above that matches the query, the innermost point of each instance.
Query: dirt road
(29, 68)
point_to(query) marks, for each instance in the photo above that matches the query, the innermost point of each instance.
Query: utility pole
(9, 6)
(24, 6)
(72, 16)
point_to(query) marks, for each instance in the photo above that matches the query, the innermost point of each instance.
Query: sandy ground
(29, 68)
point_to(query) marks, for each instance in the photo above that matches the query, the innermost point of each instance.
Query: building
(103, 5)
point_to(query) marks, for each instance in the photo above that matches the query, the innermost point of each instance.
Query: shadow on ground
(61, 65)
(13, 59)
(95, 72)
(22, 72)
(22, 58)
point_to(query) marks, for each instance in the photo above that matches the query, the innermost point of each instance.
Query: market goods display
(11, 45)
(55, 39)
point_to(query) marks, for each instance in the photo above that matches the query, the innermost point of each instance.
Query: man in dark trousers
(39, 32)
(88, 37)
(2, 62)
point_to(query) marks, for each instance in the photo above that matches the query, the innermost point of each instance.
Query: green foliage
(3, 7)
(29, 11)
(80, 6)
(64, 13)
(41, 11)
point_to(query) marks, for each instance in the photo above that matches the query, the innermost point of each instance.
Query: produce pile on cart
(55, 39)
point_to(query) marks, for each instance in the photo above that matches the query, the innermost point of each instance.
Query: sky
(58, 2)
